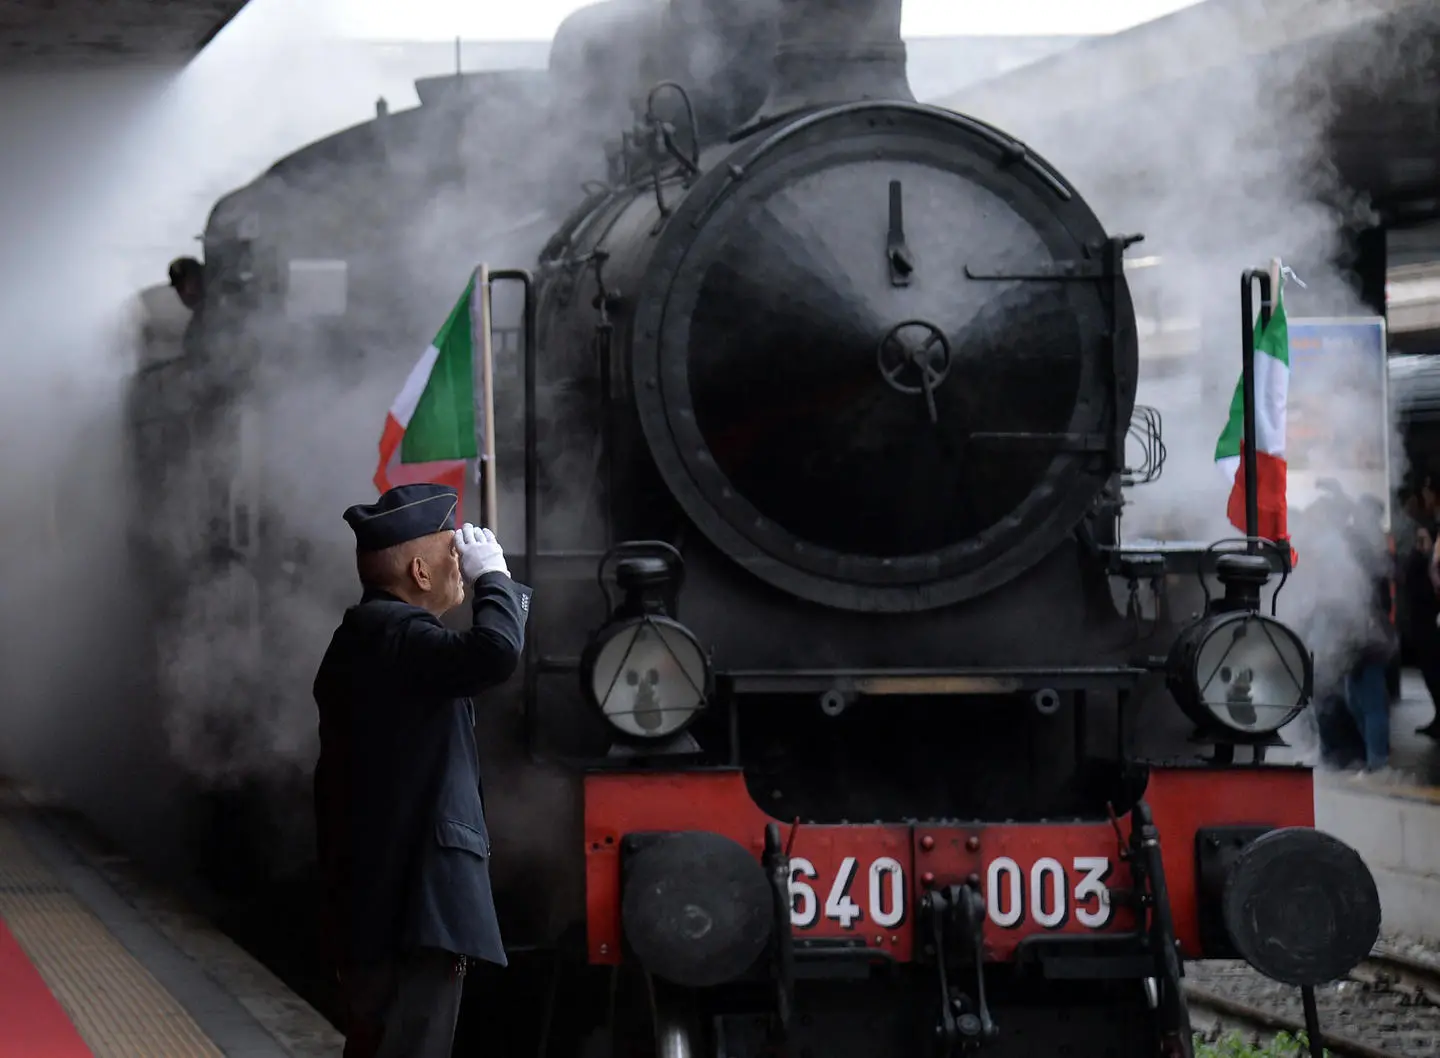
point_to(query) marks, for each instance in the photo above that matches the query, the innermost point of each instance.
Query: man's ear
(420, 573)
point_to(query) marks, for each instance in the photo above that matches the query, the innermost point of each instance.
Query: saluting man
(403, 847)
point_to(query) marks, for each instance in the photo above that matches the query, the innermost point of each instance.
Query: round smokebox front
(848, 409)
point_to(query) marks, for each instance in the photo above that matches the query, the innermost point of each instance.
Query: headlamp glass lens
(649, 679)
(1250, 674)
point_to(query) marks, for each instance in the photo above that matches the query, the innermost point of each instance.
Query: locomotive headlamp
(644, 670)
(1240, 670)
(648, 677)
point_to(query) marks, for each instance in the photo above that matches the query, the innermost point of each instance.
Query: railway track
(1387, 1007)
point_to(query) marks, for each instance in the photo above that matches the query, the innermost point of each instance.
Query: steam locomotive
(874, 737)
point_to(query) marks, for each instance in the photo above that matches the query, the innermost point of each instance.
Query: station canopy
(41, 34)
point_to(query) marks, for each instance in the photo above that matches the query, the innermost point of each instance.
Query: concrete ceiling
(84, 33)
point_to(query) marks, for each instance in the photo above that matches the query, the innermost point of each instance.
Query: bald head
(424, 572)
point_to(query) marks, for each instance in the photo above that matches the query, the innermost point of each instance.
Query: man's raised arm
(463, 663)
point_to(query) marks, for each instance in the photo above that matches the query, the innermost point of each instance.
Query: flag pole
(1249, 462)
(485, 385)
(1277, 276)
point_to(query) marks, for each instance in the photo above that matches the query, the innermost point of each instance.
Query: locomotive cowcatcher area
(855, 717)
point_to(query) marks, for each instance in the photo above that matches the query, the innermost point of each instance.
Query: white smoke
(296, 444)
(1222, 169)
(108, 175)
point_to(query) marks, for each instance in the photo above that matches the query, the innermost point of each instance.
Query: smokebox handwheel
(914, 356)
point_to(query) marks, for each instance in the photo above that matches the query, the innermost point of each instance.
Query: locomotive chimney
(836, 51)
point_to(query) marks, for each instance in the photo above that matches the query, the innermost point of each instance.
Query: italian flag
(1272, 387)
(430, 428)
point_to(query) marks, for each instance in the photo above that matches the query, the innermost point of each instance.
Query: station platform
(1393, 819)
(95, 962)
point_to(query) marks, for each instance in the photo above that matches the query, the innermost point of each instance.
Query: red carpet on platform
(33, 1024)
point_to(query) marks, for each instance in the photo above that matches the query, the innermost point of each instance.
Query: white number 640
(887, 894)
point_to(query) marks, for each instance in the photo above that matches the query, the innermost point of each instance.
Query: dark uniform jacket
(404, 851)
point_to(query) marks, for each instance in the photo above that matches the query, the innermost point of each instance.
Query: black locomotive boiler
(866, 742)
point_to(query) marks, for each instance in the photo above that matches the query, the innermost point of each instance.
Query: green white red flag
(1272, 387)
(430, 428)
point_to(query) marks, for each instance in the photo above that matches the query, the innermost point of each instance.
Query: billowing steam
(130, 642)
(104, 187)
(410, 204)
(1222, 173)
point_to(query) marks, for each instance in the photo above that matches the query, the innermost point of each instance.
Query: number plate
(1048, 894)
(1038, 879)
(855, 883)
(863, 883)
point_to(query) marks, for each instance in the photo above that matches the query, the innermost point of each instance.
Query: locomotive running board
(931, 681)
(1149, 558)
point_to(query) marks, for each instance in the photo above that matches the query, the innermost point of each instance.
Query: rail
(1387, 982)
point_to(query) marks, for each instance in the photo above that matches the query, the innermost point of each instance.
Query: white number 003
(1047, 896)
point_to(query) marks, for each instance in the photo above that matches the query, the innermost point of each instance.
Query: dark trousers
(1369, 703)
(1340, 742)
(1430, 669)
(1426, 641)
(403, 1009)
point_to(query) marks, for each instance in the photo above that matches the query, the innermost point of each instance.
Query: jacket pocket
(453, 834)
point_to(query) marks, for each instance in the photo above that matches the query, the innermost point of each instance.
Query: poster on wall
(1337, 436)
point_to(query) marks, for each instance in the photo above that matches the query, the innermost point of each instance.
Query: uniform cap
(406, 512)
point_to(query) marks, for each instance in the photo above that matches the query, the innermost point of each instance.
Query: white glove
(479, 552)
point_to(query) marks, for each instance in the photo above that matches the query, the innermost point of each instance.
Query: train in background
(842, 726)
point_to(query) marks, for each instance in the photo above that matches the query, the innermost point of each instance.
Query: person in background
(1365, 691)
(1328, 617)
(1420, 580)
(403, 847)
(1429, 503)
(1341, 746)
(1422, 612)
(187, 277)
(1406, 521)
